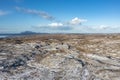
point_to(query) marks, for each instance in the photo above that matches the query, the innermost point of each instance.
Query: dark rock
(18, 42)
(69, 46)
(15, 62)
(82, 63)
(37, 46)
(25, 57)
(57, 48)
(109, 57)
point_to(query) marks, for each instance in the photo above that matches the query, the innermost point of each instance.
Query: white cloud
(35, 12)
(77, 21)
(2, 13)
(104, 27)
(55, 24)
(100, 27)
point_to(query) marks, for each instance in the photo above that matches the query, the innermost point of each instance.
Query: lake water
(2, 36)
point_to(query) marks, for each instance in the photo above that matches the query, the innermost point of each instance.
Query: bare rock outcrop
(53, 59)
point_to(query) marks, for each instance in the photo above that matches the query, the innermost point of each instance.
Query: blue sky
(60, 16)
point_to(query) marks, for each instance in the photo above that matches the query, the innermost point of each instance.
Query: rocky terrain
(60, 57)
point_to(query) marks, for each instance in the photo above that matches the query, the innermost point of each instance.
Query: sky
(60, 16)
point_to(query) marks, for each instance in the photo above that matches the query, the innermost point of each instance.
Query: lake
(2, 36)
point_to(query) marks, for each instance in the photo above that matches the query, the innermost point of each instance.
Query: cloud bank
(36, 12)
(54, 26)
(62, 25)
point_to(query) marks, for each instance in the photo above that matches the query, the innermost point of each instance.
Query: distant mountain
(21, 33)
(28, 33)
